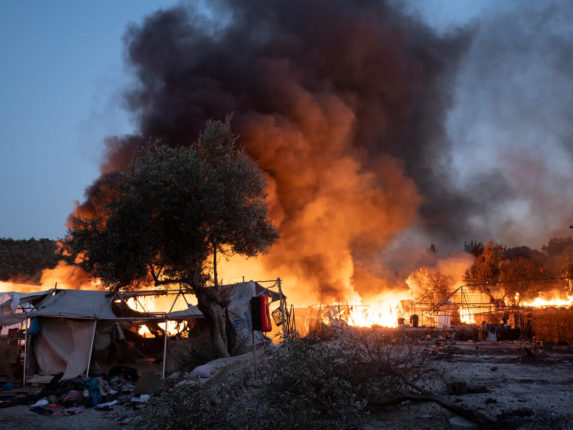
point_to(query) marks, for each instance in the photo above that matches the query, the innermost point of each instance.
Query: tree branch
(472, 415)
(158, 282)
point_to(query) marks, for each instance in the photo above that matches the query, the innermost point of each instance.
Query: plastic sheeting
(239, 313)
(10, 301)
(78, 304)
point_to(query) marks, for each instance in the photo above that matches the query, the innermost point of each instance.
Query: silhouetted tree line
(520, 273)
(24, 260)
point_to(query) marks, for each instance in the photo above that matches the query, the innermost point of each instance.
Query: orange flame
(553, 301)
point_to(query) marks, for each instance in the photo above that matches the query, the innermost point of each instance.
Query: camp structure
(58, 330)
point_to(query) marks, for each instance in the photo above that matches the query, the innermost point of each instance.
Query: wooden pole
(292, 324)
(164, 350)
(282, 310)
(91, 349)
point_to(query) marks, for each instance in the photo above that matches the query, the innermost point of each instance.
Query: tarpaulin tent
(68, 321)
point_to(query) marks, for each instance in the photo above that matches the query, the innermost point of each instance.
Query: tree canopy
(511, 273)
(430, 286)
(173, 209)
(24, 260)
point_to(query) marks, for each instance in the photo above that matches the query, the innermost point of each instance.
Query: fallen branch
(472, 415)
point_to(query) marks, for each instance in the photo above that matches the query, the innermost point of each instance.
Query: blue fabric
(93, 387)
(34, 326)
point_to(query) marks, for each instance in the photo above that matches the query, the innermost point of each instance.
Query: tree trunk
(214, 313)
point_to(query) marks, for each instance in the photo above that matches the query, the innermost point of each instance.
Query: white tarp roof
(13, 300)
(94, 304)
(80, 304)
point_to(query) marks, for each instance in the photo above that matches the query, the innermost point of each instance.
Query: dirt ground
(526, 386)
(21, 418)
(523, 385)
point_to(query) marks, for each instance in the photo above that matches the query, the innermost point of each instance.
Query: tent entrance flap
(64, 346)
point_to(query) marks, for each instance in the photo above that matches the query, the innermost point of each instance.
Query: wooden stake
(164, 350)
(254, 353)
(91, 349)
(282, 310)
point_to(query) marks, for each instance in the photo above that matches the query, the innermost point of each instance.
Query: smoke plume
(512, 120)
(342, 103)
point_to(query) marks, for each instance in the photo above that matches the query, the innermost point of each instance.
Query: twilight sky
(62, 74)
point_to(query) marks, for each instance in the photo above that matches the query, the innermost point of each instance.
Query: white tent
(68, 321)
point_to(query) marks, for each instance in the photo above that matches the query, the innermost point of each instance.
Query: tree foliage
(24, 260)
(173, 209)
(511, 274)
(430, 286)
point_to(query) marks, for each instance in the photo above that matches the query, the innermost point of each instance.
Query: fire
(466, 316)
(172, 329)
(73, 277)
(381, 314)
(68, 276)
(541, 302)
(383, 310)
(160, 304)
(62, 276)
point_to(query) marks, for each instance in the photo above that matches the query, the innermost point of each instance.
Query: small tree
(175, 209)
(431, 287)
(511, 274)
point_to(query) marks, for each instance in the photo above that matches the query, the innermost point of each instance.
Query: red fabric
(265, 314)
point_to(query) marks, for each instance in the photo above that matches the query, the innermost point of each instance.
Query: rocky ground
(523, 385)
(519, 384)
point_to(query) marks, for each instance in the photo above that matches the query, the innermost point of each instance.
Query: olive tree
(172, 212)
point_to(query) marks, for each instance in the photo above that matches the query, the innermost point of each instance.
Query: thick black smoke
(343, 104)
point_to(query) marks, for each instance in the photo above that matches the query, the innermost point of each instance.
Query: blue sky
(60, 78)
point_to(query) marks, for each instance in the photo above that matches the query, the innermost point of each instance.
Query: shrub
(300, 385)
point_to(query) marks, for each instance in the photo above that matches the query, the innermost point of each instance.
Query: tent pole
(282, 311)
(165, 349)
(91, 349)
(254, 353)
(25, 353)
(173, 304)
